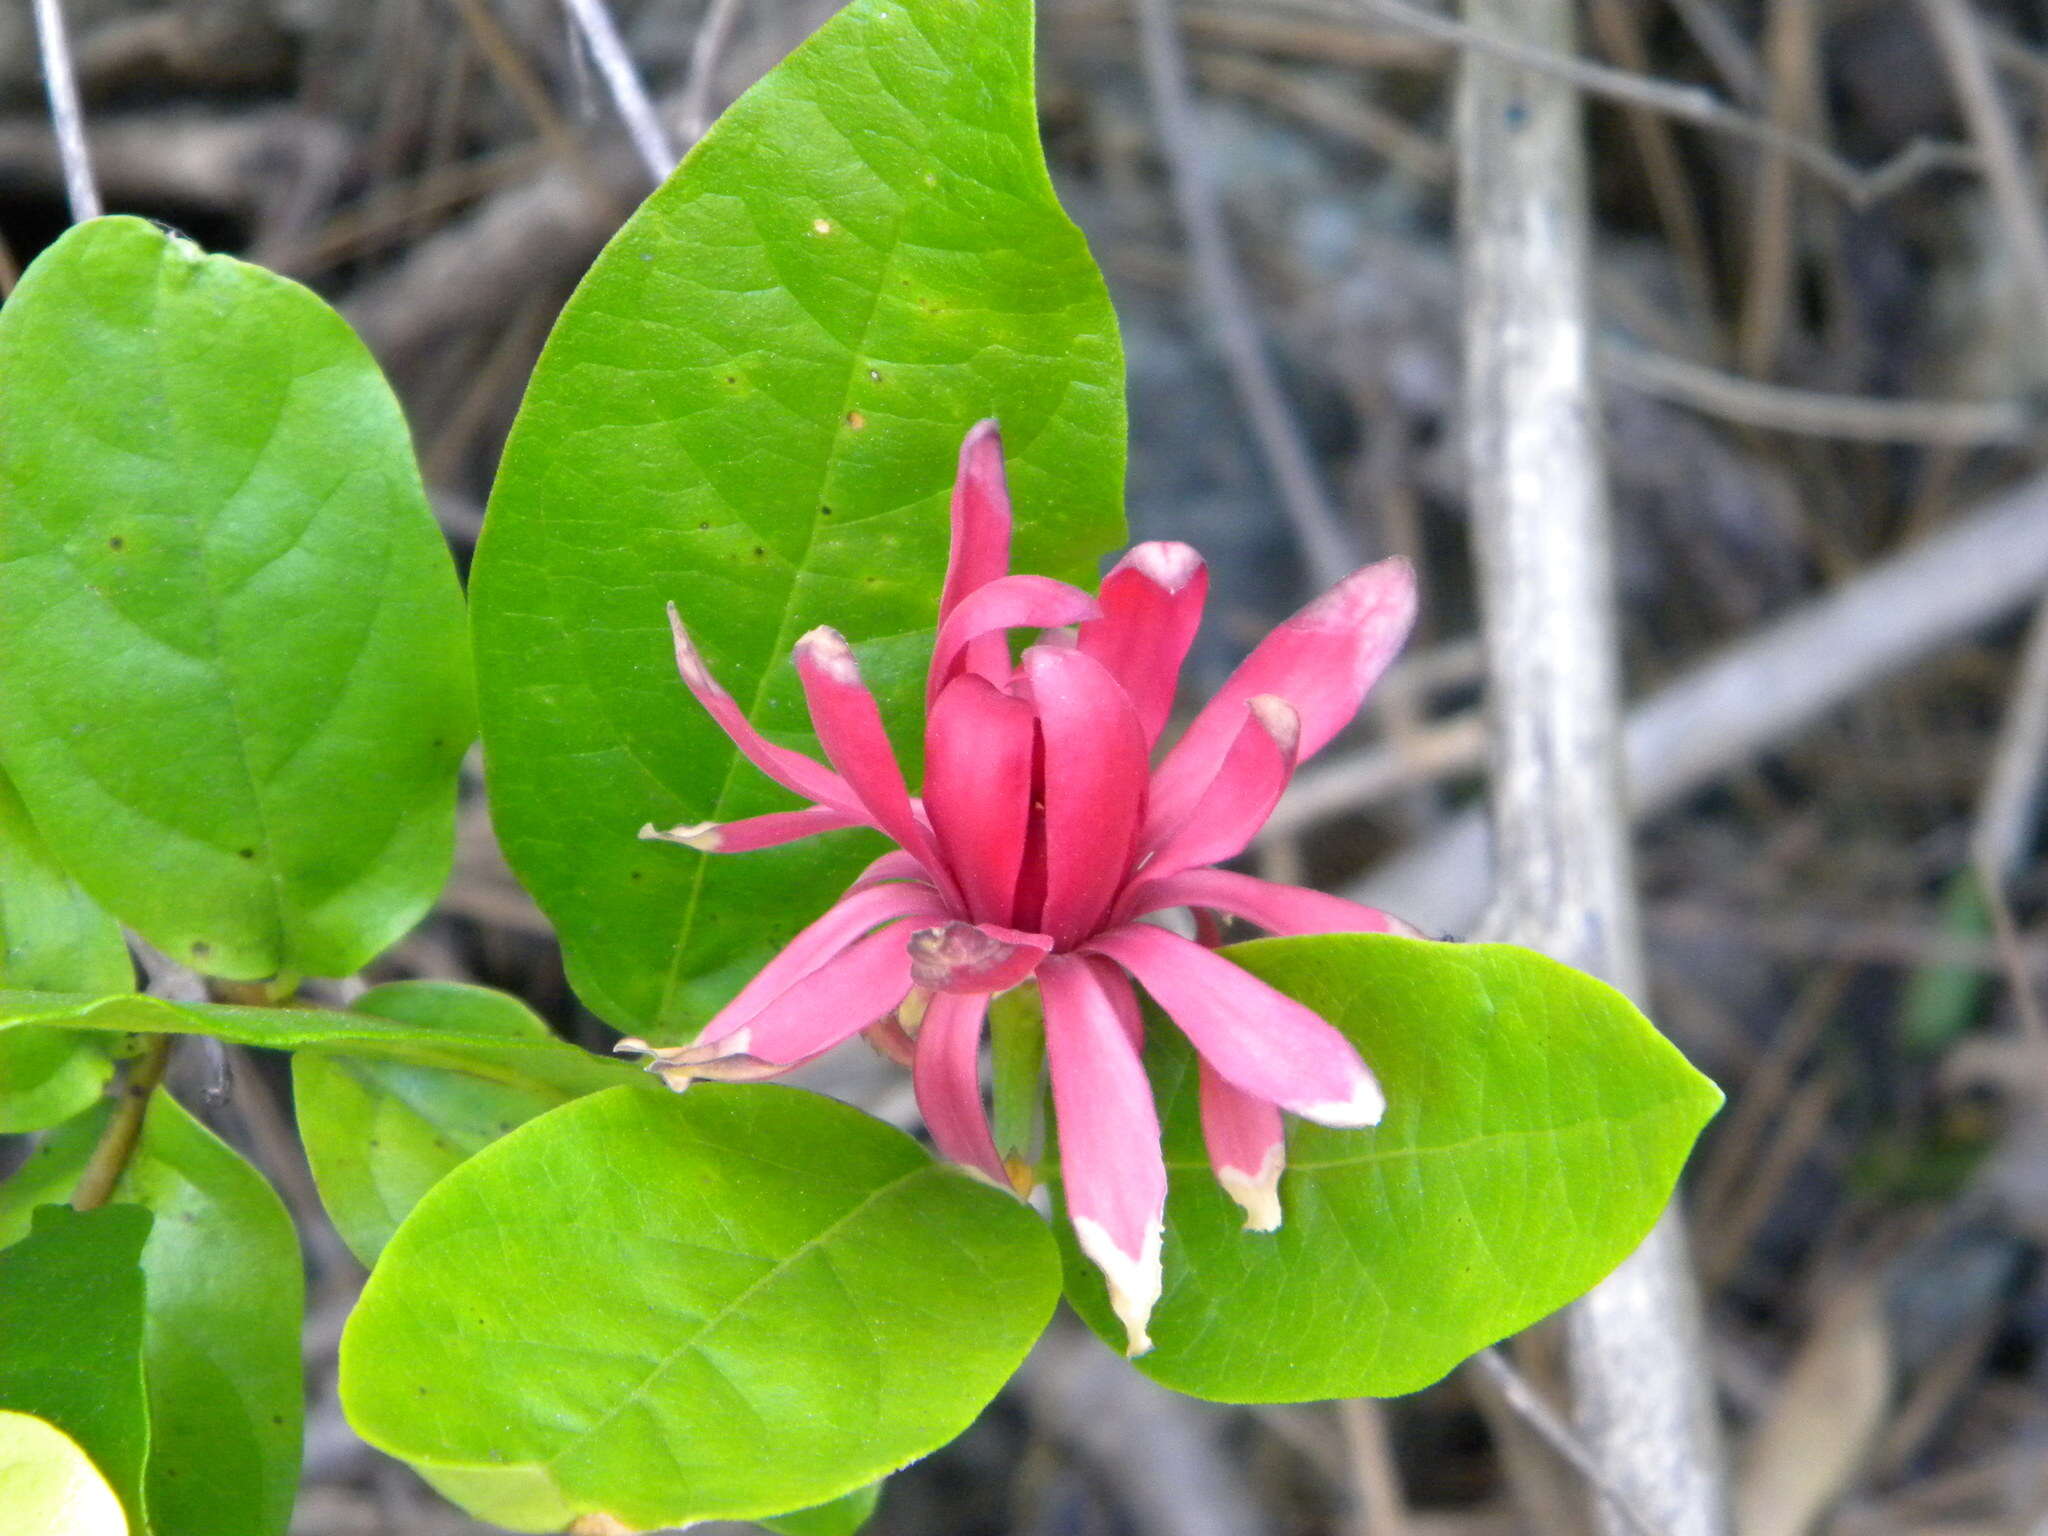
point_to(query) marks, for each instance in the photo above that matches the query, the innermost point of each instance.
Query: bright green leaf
(49, 1487)
(51, 936)
(221, 1337)
(729, 1303)
(380, 1133)
(752, 406)
(1536, 1124)
(233, 690)
(842, 1517)
(71, 1335)
(450, 1038)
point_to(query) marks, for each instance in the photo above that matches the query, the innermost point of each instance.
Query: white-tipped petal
(704, 836)
(1257, 1193)
(1134, 1280)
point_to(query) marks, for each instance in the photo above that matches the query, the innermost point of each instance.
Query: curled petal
(792, 770)
(1248, 784)
(1111, 1168)
(849, 725)
(1151, 607)
(1258, 1038)
(1011, 602)
(890, 1040)
(977, 790)
(754, 832)
(1285, 910)
(946, 1073)
(1095, 775)
(980, 551)
(842, 924)
(963, 957)
(893, 865)
(1247, 1148)
(1321, 661)
(839, 999)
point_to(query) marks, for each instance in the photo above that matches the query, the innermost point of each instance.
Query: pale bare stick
(1327, 549)
(1564, 882)
(1530, 1406)
(1771, 684)
(65, 114)
(1688, 103)
(1858, 418)
(608, 51)
(693, 111)
(2006, 812)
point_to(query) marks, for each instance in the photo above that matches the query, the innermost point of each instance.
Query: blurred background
(1821, 282)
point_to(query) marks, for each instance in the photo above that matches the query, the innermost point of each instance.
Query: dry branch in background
(1563, 877)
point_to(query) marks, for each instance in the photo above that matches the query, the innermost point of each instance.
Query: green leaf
(1536, 1124)
(51, 935)
(725, 1304)
(842, 1517)
(221, 1336)
(49, 1487)
(450, 1038)
(380, 1133)
(752, 406)
(233, 690)
(71, 1338)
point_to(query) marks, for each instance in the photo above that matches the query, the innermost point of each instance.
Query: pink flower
(1043, 841)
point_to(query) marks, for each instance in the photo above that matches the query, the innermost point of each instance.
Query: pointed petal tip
(704, 836)
(1364, 1108)
(827, 650)
(986, 430)
(689, 660)
(1134, 1280)
(1167, 563)
(1281, 720)
(1384, 590)
(1257, 1193)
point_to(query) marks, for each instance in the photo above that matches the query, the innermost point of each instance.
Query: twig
(1964, 424)
(1378, 1508)
(1769, 686)
(1717, 38)
(1564, 883)
(1793, 104)
(65, 115)
(608, 51)
(1533, 1409)
(2012, 183)
(693, 111)
(1326, 548)
(1688, 103)
(116, 1146)
(2007, 814)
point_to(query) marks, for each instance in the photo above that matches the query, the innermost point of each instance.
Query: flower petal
(853, 915)
(754, 832)
(792, 770)
(1279, 909)
(980, 551)
(849, 726)
(1247, 1148)
(1007, 603)
(1258, 1038)
(946, 1072)
(1111, 1168)
(1095, 773)
(966, 958)
(1123, 997)
(1321, 661)
(839, 999)
(1151, 607)
(1248, 784)
(977, 790)
(893, 865)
